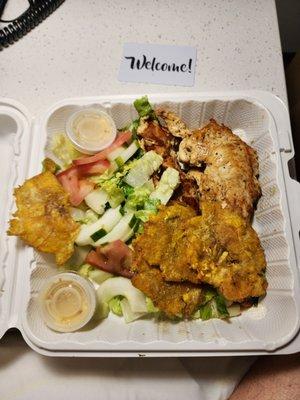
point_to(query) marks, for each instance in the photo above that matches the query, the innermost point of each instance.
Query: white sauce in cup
(91, 130)
(67, 302)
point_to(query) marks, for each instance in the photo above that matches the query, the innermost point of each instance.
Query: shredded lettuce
(116, 176)
(134, 126)
(151, 307)
(137, 198)
(127, 189)
(115, 193)
(213, 306)
(118, 189)
(150, 208)
(84, 270)
(63, 149)
(139, 202)
(144, 108)
(209, 294)
(115, 305)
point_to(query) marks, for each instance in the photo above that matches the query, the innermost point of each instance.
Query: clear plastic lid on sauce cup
(67, 302)
(91, 130)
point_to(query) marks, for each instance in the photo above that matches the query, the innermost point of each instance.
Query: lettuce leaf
(143, 168)
(213, 306)
(150, 208)
(63, 149)
(166, 186)
(115, 193)
(117, 176)
(137, 198)
(151, 307)
(115, 305)
(144, 108)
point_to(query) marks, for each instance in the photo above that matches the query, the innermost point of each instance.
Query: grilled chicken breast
(174, 124)
(227, 167)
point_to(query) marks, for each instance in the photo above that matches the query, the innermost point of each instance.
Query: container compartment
(272, 324)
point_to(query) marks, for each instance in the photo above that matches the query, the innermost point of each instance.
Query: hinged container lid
(15, 141)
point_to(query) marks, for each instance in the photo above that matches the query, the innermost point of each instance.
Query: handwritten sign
(161, 64)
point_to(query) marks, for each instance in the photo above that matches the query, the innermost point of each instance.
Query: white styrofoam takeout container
(262, 120)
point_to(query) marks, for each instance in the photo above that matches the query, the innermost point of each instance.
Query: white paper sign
(154, 63)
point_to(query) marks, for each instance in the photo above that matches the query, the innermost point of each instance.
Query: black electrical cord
(37, 11)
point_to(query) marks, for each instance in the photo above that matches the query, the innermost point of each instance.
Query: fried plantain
(43, 218)
(219, 248)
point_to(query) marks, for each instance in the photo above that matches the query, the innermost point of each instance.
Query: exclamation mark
(190, 65)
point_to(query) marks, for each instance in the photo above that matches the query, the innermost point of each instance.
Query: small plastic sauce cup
(67, 302)
(91, 130)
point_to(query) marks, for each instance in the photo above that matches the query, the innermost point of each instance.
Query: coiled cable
(38, 10)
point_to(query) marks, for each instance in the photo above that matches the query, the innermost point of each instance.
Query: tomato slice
(69, 179)
(97, 261)
(122, 138)
(115, 257)
(97, 167)
(77, 188)
(85, 187)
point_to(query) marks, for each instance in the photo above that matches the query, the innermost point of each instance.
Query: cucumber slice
(77, 214)
(119, 231)
(126, 154)
(133, 227)
(98, 235)
(120, 286)
(117, 199)
(99, 276)
(96, 200)
(129, 152)
(106, 222)
(115, 153)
